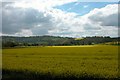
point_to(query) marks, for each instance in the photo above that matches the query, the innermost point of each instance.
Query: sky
(65, 18)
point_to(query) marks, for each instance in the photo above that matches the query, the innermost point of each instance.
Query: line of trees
(8, 41)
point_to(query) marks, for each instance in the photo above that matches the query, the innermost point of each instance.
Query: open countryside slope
(72, 62)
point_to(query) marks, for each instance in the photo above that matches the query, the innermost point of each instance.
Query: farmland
(60, 62)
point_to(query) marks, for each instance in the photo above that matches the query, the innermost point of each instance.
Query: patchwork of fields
(72, 62)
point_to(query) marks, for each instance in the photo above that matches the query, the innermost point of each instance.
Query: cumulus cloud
(35, 18)
(16, 19)
(107, 16)
(103, 21)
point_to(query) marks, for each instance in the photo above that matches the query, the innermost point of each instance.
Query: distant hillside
(37, 40)
(97, 40)
(10, 41)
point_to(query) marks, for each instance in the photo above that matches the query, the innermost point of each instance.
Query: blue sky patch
(82, 8)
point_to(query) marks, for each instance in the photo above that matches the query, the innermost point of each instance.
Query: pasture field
(60, 63)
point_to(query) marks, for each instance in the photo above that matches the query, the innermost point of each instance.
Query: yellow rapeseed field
(96, 61)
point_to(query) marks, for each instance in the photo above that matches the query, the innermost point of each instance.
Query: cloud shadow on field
(28, 75)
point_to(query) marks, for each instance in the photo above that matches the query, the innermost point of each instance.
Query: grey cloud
(91, 27)
(111, 20)
(16, 19)
(40, 31)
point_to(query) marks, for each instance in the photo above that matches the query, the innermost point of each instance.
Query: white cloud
(107, 16)
(42, 4)
(42, 18)
(105, 19)
(25, 33)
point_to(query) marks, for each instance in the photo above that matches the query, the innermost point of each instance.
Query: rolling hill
(54, 40)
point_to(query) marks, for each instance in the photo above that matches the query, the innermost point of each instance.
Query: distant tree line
(9, 41)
